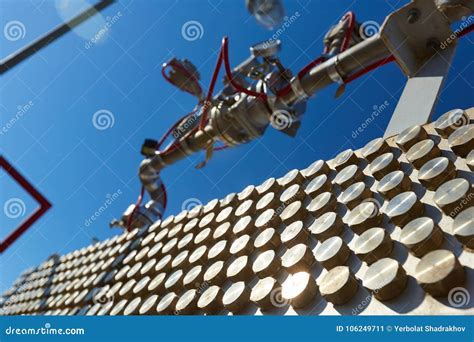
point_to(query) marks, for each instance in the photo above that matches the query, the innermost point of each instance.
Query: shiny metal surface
(348, 175)
(236, 298)
(345, 158)
(317, 168)
(386, 279)
(404, 207)
(463, 227)
(450, 121)
(374, 148)
(355, 194)
(339, 285)
(421, 235)
(332, 252)
(394, 183)
(323, 203)
(410, 136)
(383, 164)
(422, 152)
(373, 244)
(454, 195)
(266, 264)
(294, 211)
(435, 172)
(461, 141)
(191, 250)
(364, 216)
(299, 289)
(294, 234)
(298, 258)
(326, 226)
(439, 271)
(267, 239)
(318, 185)
(266, 294)
(211, 300)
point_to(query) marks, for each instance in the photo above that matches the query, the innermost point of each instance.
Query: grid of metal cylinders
(387, 229)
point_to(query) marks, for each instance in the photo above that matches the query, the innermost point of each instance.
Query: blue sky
(55, 145)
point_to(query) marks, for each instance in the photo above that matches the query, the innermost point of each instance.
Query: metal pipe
(36, 45)
(342, 65)
(194, 143)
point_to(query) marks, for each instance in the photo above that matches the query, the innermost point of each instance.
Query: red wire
(349, 31)
(165, 195)
(369, 68)
(210, 91)
(345, 43)
(228, 71)
(220, 148)
(137, 204)
(170, 130)
(465, 31)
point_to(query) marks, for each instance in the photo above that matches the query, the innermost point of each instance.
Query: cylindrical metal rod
(189, 145)
(352, 60)
(22, 54)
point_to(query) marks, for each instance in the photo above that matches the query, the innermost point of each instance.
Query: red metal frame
(28, 222)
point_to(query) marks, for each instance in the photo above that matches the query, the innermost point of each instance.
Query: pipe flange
(300, 93)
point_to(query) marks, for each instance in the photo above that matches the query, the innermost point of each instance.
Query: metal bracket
(412, 32)
(421, 93)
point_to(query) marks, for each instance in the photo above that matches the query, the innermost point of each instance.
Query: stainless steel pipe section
(344, 64)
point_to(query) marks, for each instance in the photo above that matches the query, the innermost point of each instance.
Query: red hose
(349, 31)
(368, 69)
(465, 31)
(170, 130)
(228, 71)
(137, 205)
(210, 91)
(165, 195)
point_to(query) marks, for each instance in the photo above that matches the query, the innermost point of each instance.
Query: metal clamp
(300, 93)
(333, 71)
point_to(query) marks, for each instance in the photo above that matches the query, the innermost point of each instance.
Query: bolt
(413, 15)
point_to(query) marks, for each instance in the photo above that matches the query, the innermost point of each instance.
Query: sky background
(77, 167)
